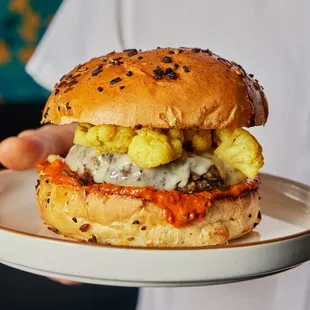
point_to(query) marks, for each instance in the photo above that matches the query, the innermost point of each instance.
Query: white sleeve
(76, 34)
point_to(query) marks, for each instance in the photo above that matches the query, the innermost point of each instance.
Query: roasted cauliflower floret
(152, 148)
(241, 150)
(106, 138)
(201, 140)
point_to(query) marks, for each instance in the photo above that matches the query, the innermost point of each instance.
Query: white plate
(280, 242)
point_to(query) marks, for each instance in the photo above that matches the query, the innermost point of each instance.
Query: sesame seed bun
(161, 88)
(128, 221)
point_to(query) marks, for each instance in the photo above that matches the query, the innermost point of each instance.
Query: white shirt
(271, 39)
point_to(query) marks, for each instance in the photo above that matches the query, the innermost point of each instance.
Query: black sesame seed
(122, 87)
(166, 59)
(175, 66)
(185, 69)
(97, 71)
(250, 215)
(158, 73)
(259, 215)
(72, 82)
(74, 219)
(129, 73)
(46, 113)
(117, 58)
(84, 227)
(56, 91)
(58, 108)
(46, 181)
(171, 52)
(140, 57)
(170, 74)
(48, 200)
(207, 51)
(251, 75)
(67, 106)
(61, 84)
(135, 222)
(100, 89)
(93, 239)
(143, 228)
(138, 126)
(132, 52)
(196, 50)
(69, 76)
(113, 52)
(114, 81)
(255, 224)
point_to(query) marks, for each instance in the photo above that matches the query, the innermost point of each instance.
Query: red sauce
(178, 209)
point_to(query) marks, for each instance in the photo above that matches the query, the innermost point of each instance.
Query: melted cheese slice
(118, 169)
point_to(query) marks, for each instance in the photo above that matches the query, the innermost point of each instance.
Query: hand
(22, 152)
(30, 146)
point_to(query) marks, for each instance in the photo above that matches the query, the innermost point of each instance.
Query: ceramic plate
(280, 242)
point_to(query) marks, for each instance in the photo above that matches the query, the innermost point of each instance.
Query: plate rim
(215, 247)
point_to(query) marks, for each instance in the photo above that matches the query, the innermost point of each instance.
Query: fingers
(22, 152)
(64, 282)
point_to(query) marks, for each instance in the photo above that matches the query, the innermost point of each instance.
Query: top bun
(161, 88)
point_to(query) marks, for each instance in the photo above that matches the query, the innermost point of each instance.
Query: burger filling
(188, 161)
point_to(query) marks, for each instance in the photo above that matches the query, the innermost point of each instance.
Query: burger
(160, 156)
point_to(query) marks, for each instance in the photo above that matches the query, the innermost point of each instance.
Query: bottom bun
(126, 221)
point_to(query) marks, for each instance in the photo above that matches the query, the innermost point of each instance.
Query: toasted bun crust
(215, 93)
(108, 219)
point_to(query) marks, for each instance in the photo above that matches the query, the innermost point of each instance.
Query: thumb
(30, 146)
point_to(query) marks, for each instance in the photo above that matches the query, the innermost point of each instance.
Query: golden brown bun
(215, 93)
(109, 219)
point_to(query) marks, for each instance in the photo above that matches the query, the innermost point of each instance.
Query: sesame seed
(69, 76)
(129, 73)
(72, 82)
(259, 215)
(143, 228)
(171, 52)
(93, 239)
(114, 81)
(140, 57)
(67, 106)
(136, 222)
(207, 51)
(46, 113)
(175, 66)
(117, 58)
(255, 224)
(196, 50)
(250, 215)
(84, 227)
(48, 200)
(74, 219)
(170, 74)
(251, 75)
(61, 84)
(100, 89)
(130, 238)
(58, 108)
(166, 59)
(46, 181)
(56, 91)
(97, 71)
(132, 52)
(158, 73)
(122, 87)
(185, 69)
